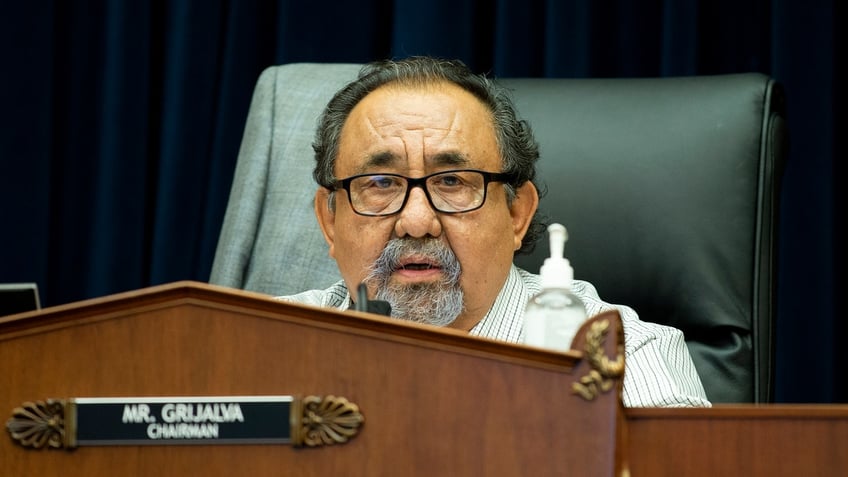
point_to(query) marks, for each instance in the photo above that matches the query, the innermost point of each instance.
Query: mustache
(431, 250)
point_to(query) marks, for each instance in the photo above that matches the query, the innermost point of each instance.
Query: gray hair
(518, 148)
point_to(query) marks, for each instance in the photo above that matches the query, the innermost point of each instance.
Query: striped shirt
(658, 368)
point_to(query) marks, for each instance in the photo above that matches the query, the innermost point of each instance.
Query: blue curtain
(121, 123)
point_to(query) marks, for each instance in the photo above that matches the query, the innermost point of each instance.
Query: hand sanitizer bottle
(554, 315)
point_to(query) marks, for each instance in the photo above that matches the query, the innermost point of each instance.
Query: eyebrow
(379, 160)
(450, 158)
(388, 159)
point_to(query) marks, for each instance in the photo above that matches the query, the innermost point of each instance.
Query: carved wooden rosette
(604, 371)
(39, 424)
(324, 421)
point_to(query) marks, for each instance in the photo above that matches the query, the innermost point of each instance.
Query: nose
(417, 218)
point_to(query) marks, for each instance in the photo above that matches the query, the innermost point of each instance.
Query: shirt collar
(505, 320)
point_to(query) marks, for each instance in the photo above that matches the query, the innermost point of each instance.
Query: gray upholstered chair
(668, 187)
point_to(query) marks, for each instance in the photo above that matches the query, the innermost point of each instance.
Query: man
(427, 192)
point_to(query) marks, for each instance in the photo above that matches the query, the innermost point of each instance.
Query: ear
(326, 217)
(522, 210)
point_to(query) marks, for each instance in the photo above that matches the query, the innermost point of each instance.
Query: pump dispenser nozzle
(556, 271)
(557, 237)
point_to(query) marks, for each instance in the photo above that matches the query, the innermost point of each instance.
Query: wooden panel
(768, 441)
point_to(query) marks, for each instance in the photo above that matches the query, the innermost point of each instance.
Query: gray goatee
(436, 303)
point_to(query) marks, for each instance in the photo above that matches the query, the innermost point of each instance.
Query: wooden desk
(764, 440)
(436, 402)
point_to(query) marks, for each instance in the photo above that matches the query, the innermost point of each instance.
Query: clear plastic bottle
(554, 315)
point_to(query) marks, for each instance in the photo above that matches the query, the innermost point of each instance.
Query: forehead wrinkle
(369, 125)
(377, 159)
(451, 126)
(421, 143)
(442, 158)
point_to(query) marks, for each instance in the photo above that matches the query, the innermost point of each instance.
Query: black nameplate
(309, 421)
(183, 420)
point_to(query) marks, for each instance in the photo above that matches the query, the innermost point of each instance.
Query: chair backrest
(669, 188)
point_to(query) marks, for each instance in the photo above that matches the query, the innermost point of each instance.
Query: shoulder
(336, 296)
(638, 333)
(659, 370)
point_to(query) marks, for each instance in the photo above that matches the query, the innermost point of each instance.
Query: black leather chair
(668, 187)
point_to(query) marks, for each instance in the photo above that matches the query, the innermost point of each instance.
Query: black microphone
(378, 307)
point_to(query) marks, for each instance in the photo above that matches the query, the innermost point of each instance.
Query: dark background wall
(121, 121)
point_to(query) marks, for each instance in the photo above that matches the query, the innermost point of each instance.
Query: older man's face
(416, 132)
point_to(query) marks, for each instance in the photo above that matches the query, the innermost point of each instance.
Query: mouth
(417, 262)
(418, 268)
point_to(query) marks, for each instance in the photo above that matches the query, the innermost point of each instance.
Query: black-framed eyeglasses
(449, 192)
